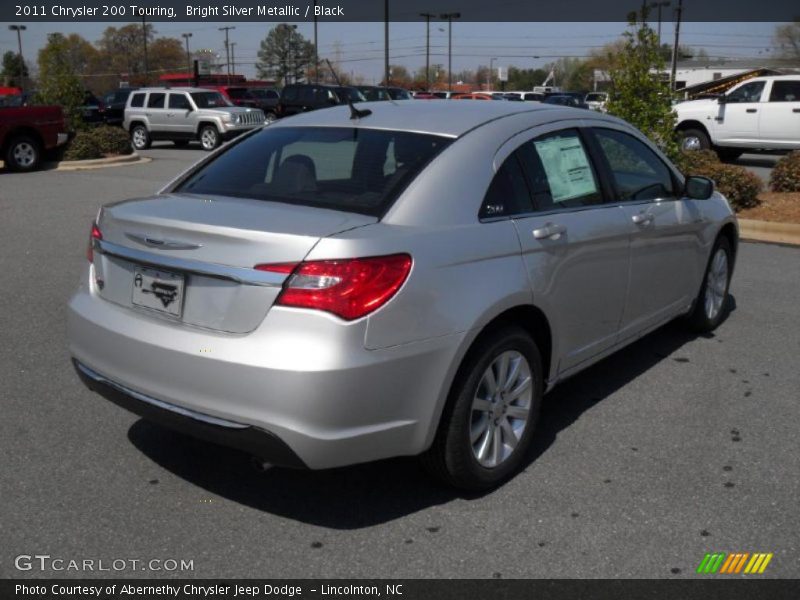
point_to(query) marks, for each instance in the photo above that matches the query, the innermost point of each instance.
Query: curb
(767, 231)
(100, 163)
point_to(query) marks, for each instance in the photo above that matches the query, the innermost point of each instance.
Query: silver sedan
(404, 279)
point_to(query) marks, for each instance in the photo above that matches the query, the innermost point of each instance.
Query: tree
(122, 53)
(787, 39)
(13, 66)
(284, 54)
(399, 76)
(58, 81)
(638, 92)
(571, 73)
(525, 79)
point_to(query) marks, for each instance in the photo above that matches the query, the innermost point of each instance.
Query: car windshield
(209, 99)
(347, 169)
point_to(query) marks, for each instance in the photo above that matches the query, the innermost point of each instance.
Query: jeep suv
(186, 114)
(303, 97)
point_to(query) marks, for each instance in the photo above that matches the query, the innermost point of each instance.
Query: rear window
(156, 100)
(347, 169)
(137, 100)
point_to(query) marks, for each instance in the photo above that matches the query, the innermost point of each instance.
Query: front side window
(508, 194)
(749, 92)
(179, 102)
(156, 100)
(560, 171)
(340, 168)
(209, 100)
(785, 91)
(638, 172)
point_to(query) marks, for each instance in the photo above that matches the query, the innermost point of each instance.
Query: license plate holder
(158, 290)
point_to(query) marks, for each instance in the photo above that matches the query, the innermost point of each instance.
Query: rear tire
(140, 137)
(487, 425)
(209, 138)
(23, 153)
(711, 305)
(694, 139)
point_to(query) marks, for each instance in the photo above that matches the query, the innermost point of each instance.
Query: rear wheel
(270, 117)
(694, 139)
(712, 303)
(209, 137)
(488, 423)
(23, 153)
(140, 137)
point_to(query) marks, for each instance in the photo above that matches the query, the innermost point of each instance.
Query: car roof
(177, 89)
(437, 118)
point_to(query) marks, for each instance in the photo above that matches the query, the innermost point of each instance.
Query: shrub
(111, 140)
(82, 147)
(785, 176)
(740, 186)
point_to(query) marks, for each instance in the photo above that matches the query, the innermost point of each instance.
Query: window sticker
(567, 168)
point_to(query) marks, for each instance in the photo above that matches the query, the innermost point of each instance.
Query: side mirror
(698, 188)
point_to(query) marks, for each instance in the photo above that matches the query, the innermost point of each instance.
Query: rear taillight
(348, 288)
(96, 234)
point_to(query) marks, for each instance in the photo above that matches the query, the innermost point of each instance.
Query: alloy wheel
(716, 284)
(209, 139)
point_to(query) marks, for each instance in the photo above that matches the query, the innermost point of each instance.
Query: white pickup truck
(759, 113)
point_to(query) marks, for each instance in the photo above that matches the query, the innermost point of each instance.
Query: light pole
(428, 17)
(491, 72)
(386, 73)
(233, 58)
(659, 5)
(449, 18)
(186, 37)
(19, 29)
(674, 66)
(144, 38)
(316, 47)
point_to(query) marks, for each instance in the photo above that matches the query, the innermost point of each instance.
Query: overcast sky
(361, 44)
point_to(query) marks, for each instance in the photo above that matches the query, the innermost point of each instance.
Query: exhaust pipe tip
(260, 464)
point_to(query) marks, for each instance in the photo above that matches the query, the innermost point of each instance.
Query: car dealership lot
(675, 447)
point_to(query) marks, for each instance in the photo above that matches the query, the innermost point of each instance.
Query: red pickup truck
(27, 132)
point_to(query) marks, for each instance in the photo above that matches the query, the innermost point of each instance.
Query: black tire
(451, 457)
(140, 137)
(180, 143)
(699, 135)
(270, 117)
(699, 319)
(210, 139)
(23, 153)
(728, 154)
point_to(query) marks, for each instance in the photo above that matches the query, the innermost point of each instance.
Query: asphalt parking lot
(674, 447)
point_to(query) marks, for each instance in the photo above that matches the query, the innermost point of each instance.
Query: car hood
(233, 110)
(697, 106)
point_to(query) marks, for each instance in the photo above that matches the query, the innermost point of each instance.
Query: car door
(179, 110)
(779, 120)
(574, 245)
(157, 114)
(737, 119)
(666, 246)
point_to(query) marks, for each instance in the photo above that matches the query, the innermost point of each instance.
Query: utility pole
(658, 5)
(491, 73)
(449, 18)
(316, 46)
(386, 73)
(186, 37)
(146, 67)
(428, 17)
(19, 29)
(673, 71)
(227, 51)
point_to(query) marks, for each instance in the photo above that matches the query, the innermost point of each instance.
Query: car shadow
(374, 493)
(766, 161)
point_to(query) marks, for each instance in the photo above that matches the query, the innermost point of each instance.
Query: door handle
(642, 218)
(752, 110)
(550, 231)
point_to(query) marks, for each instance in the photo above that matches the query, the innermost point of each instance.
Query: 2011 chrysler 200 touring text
(342, 287)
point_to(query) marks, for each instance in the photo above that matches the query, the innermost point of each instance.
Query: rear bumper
(257, 442)
(302, 378)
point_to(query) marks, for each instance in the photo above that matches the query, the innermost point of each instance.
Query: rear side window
(347, 169)
(137, 101)
(156, 100)
(560, 171)
(785, 91)
(508, 194)
(638, 172)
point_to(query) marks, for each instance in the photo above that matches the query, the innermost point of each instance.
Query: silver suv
(186, 114)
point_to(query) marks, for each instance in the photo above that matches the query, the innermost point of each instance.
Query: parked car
(27, 132)
(303, 97)
(425, 96)
(373, 93)
(444, 95)
(236, 94)
(185, 114)
(92, 109)
(475, 96)
(398, 93)
(524, 96)
(267, 100)
(596, 101)
(566, 100)
(760, 113)
(114, 103)
(314, 295)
